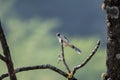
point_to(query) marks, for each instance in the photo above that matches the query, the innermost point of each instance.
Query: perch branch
(7, 55)
(45, 66)
(88, 58)
(64, 61)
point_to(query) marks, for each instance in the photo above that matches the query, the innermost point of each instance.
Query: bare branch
(28, 68)
(7, 55)
(87, 59)
(3, 58)
(64, 61)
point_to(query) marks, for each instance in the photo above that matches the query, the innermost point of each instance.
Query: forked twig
(11, 72)
(63, 57)
(87, 59)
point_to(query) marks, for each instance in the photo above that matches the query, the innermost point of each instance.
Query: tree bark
(112, 8)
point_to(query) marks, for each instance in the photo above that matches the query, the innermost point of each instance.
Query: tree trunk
(112, 8)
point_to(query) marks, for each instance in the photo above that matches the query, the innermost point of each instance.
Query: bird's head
(58, 34)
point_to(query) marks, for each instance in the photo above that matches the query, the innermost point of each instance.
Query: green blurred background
(30, 28)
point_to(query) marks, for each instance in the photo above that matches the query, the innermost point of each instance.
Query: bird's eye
(58, 34)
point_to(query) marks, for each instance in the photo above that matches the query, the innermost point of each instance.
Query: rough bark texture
(112, 8)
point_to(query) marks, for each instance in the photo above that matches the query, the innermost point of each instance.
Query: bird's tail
(76, 49)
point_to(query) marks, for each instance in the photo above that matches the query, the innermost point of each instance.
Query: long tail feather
(76, 49)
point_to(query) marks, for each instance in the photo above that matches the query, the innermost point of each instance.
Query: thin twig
(28, 68)
(7, 55)
(3, 58)
(64, 61)
(88, 58)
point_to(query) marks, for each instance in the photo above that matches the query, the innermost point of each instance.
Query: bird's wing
(64, 38)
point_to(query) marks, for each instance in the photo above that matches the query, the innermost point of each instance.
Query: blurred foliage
(5, 6)
(31, 43)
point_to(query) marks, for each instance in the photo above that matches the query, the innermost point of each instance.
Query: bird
(63, 40)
